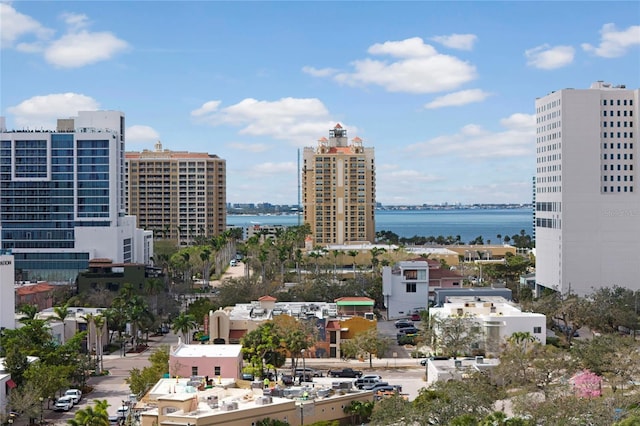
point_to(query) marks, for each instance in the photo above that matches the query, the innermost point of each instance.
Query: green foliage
(448, 400)
(200, 308)
(259, 345)
(360, 411)
(16, 363)
(392, 410)
(140, 381)
(95, 415)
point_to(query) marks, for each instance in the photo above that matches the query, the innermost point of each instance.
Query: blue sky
(444, 91)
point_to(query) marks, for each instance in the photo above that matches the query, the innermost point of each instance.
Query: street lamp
(41, 399)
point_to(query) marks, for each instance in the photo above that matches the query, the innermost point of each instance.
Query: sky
(443, 91)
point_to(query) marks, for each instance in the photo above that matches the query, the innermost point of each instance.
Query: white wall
(7, 292)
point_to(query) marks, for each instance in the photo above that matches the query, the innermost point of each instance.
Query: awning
(11, 384)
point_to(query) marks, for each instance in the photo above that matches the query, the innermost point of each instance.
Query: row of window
(618, 135)
(617, 189)
(611, 113)
(611, 178)
(617, 156)
(618, 102)
(624, 124)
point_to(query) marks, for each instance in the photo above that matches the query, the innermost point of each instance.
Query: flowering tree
(587, 384)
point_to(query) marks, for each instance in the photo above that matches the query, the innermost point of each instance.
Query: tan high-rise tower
(179, 195)
(339, 190)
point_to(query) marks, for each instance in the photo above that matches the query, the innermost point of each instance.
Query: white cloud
(462, 97)
(42, 111)
(614, 43)
(75, 50)
(16, 25)
(473, 141)
(141, 133)
(206, 108)
(299, 121)
(418, 68)
(319, 72)
(248, 147)
(457, 41)
(547, 57)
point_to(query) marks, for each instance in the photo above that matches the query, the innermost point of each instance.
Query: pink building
(215, 361)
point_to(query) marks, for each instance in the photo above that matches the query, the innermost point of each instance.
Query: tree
(140, 381)
(367, 343)
(391, 411)
(60, 314)
(183, 324)
(259, 345)
(91, 415)
(447, 400)
(454, 335)
(360, 411)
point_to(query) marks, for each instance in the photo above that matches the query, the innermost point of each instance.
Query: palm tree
(205, 255)
(153, 287)
(183, 324)
(60, 314)
(92, 416)
(30, 312)
(99, 321)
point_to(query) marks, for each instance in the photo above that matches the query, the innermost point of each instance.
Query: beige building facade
(339, 189)
(177, 194)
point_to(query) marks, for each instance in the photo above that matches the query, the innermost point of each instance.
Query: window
(216, 370)
(537, 330)
(411, 287)
(194, 371)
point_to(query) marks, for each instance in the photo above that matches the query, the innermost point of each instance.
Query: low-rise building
(445, 369)
(213, 361)
(182, 402)
(496, 319)
(333, 322)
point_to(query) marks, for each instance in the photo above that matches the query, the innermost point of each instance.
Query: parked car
(76, 394)
(345, 372)
(311, 371)
(122, 412)
(375, 386)
(247, 376)
(287, 379)
(64, 403)
(401, 323)
(233, 262)
(367, 380)
(408, 330)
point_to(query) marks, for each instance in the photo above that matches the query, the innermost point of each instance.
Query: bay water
(468, 223)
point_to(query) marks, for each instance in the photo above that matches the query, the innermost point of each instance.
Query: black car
(287, 379)
(408, 330)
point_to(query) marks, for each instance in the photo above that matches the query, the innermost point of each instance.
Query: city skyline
(444, 92)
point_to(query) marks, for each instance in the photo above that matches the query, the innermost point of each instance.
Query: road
(112, 387)
(400, 369)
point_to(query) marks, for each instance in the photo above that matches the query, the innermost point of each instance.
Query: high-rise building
(179, 195)
(587, 201)
(62, 198)
(339, 190)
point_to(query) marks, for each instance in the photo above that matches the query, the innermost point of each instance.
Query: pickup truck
(345, 372)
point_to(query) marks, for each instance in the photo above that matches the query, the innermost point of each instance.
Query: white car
(76, 394)
(64, 403)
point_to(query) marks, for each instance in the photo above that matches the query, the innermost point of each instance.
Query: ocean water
(468, 223)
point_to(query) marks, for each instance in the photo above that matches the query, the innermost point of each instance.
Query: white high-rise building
(7, 291)
(587, 207)
(62, 198)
